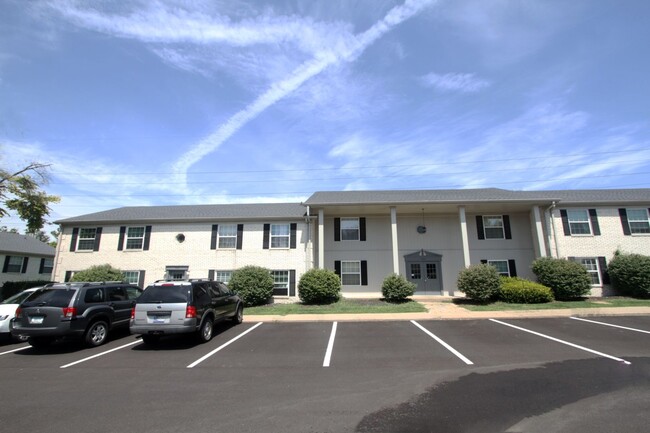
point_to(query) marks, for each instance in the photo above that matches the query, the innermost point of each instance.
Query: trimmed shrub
(99, 273)
(395, 288)
(253, 284)
(479, 282)
(10, 288)
(319, 286)
(630, 274)
(567, 279)
(516, 290)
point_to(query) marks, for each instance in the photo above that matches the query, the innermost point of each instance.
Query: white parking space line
(330, 346)
(563, 342)
(447, 346)
(203, 358)
(100, 354)
(15, 350)
(609, 324)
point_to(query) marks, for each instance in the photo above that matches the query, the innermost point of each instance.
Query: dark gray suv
(184, 307)
(75, 310)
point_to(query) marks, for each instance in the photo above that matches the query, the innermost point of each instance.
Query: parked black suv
(182, 307)
(82, 310)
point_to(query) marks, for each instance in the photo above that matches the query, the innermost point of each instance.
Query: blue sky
(185, 102)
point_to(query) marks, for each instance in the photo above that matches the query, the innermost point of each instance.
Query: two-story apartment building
(428, 236)
(24, 258)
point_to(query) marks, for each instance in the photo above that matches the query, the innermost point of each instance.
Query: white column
(321, 239)
(463, 234)
(393, 228)
(539, 232)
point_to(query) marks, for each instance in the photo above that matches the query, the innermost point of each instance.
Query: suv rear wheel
(97, 333)
(239, 315)
(205, 333)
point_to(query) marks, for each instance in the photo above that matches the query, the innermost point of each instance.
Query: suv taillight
(69, 312)
(190, 312)
(19, 313)
(133, 313)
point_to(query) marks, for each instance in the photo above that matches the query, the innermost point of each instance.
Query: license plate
(160, 320)
(36, 320)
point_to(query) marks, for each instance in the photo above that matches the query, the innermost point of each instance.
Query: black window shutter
(337, 229)
(337, 267)
(68, 275)
(362, 229)
(141, 279)
(73, 241)
(593, 216)
(213, 239)
(479, 226)
(604, 275)
(41, 266)
(147, 238)
(292, 282)
(240, 236)
(267, 230)
(98, 238)
(211, 274)
(24, 269)
(512, 267)
(6, 265)
(506, 226)
(120, 241)
(483, 261)
(364, 272)
(626, 226)
(292, 238)
(565, 222)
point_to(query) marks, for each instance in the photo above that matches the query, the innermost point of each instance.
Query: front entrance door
(423, 270)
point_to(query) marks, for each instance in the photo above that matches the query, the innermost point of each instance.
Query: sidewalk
(449, 311)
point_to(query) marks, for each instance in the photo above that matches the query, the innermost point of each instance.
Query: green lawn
(344, 306)
(587, 303)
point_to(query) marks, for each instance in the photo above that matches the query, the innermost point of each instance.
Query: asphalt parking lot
(510, 375)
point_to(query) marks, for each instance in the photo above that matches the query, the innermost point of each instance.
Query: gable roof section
(208, 212)
(24, 244)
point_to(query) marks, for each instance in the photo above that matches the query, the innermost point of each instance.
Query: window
(86, 240)
(47, 265)
(502, 267)
(227, 235)
(176, 273)
(223, 276)
(351, 273)
(280, 283)
(14, 264)
(131, 277)
(134, 238)
(638, 221)
(416, 274)
(591, 265)
(578, 222)
(349, 229)
(432, 271)
(493, 226)
(280, 234)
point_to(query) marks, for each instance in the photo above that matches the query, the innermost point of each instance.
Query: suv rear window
(165, 294)
(51, 298)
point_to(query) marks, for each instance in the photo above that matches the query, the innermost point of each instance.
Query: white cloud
(455, 82)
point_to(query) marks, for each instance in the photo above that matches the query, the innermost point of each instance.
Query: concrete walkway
(438, 310)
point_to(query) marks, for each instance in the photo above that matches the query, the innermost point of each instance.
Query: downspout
(553, 231)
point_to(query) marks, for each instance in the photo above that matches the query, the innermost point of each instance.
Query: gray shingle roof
(24, 244)
(208, 212)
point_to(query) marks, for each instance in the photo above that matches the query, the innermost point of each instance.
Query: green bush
(630, 274)
(395, 288)
(479, 282)
(253, 284)
(516, 290)
(99, 273)
(319, 286)
(567, 279)
(10, 288)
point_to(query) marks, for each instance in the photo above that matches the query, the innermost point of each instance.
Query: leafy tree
(21, 193)
(99, 273)
(5, 229)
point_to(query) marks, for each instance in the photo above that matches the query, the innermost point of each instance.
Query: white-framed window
(579, 221)
(350, 229)
(134, 238)
(502, 267)
(223, 276)
(591, 265)
(493, 227)
(280, 235)
(351, 273)
(176, 273)
(227, 236)
(48, 266)
(638, 221)
(131, 277)
(86, 240)
(15, 264)
(280, 283)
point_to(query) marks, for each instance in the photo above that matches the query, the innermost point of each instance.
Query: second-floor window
(86, 240)
(578, 222)
(349, 229)
(280, 235)
(134, 238)
(638, 221)
(227, 236)
(493, 226)
(13, 264)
